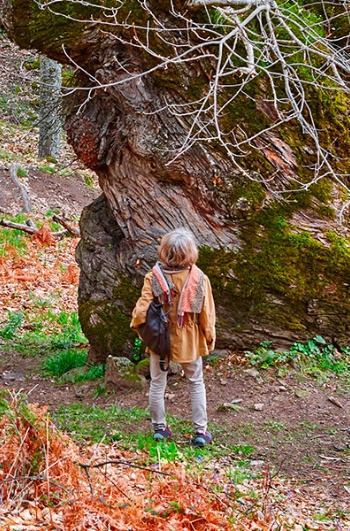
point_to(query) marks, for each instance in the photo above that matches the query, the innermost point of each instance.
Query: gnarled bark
(273, 276)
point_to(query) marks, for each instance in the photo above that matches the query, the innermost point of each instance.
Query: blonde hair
(178, 249)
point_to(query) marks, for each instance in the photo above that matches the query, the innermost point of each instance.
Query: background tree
(209, 115)
(50, 124)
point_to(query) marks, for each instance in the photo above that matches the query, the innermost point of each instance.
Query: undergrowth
(57, 338)
(131, 430)
(314, 357)
(43, 467)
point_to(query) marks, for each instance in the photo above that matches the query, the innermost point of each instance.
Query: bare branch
(13, 171)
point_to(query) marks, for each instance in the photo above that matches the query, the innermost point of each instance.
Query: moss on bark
(107, 328)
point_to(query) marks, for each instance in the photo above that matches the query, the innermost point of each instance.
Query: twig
(85, 467)
(33, 478)
(62, 221)
(125, 463)
(115, 485)
(154, 471)
(25, 197)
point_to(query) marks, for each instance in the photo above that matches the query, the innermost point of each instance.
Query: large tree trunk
(280, 269)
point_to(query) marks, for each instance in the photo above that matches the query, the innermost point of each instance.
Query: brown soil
(47, 192)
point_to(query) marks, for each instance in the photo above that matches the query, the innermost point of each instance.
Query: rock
(71, 376)
(252, 372)
(257, 463)
(142, 368)
(82, 390)
(12, 376)
(121, 375)
(258, 407)
(335, 401)
(170, 396)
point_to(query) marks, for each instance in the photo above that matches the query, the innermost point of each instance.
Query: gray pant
(194, 372)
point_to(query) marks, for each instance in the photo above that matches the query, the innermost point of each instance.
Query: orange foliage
(44, 236)
(47, 481)
(40, 465)
(38, 273)
(72, 274)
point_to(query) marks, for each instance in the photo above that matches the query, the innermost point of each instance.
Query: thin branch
(13, 171)
(124, 463)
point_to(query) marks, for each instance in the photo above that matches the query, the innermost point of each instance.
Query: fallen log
(29, 229)
(18, 226)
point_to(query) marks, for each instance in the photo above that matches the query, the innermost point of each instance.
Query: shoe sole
(200, 444)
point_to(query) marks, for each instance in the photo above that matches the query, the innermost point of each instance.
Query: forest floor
(297, 425)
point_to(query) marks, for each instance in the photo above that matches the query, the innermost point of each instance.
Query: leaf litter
(48, 481)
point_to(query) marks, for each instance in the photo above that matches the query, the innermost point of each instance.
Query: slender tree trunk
(50, 108)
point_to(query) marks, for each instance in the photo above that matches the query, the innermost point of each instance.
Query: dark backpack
(155, 332)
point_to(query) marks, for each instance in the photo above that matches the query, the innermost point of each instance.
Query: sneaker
(202, 439)
(160, 435)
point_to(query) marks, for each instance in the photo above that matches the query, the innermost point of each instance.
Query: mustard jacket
(197, 337)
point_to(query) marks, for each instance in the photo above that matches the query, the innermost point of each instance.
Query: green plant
(314, 356)
(63, 362)
(46, 168)
(264, 356)
(97, 423)
(13, 239)
(137, 349)
(15, 320)
(166, 451)
(21, 172)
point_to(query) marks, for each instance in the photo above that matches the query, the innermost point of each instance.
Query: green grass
(56, 338)
(13, 238)
(47, 168)
(7, 155)
(315, 357)
(63, 362)
(31, 331)
(132, 430)
(96, 424)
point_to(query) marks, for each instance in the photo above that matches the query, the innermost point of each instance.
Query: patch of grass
(127, 427)
(47, 168)
(21, 172)
(15, 320)
(54, 337)
(20, 111)
(277, 426)
(239, 475)
(63, 362)
(13, 239)
(63, 366)
(7, 155)
(96, 424)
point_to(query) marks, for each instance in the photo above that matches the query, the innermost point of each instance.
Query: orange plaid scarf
(192, 294)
